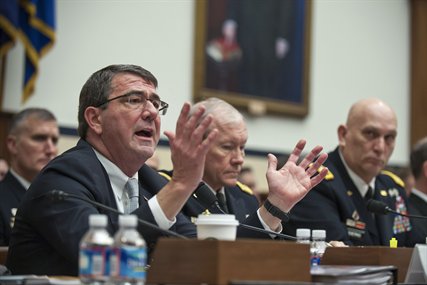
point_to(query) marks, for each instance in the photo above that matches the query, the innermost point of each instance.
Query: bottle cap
(98, 220)
(303, 233)
(319, 234)
(128, 220)
(393, 243)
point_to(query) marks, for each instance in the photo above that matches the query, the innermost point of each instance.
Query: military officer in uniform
(355, 175)
(222, 167)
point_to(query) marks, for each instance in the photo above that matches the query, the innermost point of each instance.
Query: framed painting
(254, 54)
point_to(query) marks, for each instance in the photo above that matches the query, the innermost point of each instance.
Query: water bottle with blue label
(318, 246)
(94, 254)
(129, 254)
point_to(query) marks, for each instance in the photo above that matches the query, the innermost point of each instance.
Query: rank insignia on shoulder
(395, 178)
(244, 188)
(329, 175)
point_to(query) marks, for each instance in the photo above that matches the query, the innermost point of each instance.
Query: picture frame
(264, 81)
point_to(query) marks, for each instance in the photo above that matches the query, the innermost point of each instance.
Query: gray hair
(222, 112)
(18, 121)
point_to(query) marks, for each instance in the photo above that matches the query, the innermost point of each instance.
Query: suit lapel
(236, 204)
(384, 222)
(371, 231)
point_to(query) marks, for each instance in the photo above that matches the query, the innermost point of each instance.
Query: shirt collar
(21, 179)
(361, 185)
(117, 178)
(222, 190)
(419, 194)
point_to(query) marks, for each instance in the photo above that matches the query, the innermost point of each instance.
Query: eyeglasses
(139, 101)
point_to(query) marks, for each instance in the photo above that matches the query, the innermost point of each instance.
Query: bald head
(367, 140)
(371, 107)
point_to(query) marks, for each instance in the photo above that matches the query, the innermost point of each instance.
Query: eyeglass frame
(163, 106)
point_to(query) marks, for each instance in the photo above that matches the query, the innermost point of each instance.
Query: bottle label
(93, 261)
(315, 260)
(132, 262)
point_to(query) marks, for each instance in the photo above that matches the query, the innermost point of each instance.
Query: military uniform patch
(395, 178)
(401, 224)
(244, 188)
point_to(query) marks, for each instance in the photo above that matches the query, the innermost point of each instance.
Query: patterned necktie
(132, 189)
(369, 194)
(221, 201)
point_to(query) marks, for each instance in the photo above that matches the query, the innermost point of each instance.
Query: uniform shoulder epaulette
(244, 188)
(395, 178)
(329, 175)
(165, 175)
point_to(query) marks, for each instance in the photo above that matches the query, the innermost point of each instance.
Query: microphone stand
(61, 195)
(379, 207)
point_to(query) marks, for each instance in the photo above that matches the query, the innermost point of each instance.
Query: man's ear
(94, 119)
(11, 143)
(342, 132)
(424, 169)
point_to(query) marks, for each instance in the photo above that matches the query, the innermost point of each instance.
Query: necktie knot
(132, 191)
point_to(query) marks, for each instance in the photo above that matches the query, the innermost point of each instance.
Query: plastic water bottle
(318, 246)
(94, 252)
(303, 236)
(129, 256)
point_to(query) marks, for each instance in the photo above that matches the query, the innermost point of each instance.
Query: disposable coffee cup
(216, 226)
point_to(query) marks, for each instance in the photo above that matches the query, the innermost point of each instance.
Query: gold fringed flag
(9, 25)
(37, 32)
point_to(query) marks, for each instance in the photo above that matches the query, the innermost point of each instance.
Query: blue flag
(37, 31)
(9, 21)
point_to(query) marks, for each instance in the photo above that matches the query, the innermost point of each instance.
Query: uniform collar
(361, 185)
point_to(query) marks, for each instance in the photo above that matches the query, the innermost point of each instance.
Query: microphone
(379, 207)
(207, 199)
(59, 195)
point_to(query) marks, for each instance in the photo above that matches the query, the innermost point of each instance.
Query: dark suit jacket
(417, 206)
(11, 193)
(240, 202)
(337, 206)
(46, 235)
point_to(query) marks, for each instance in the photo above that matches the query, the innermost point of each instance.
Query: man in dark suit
(32, 142)
(338, 204)
(119, 127)
(223, 163)
(418, 197)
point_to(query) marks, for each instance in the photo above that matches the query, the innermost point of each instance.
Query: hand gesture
(288, 185)
(189, 146)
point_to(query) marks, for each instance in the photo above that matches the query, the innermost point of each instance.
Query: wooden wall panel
(5, 120)
(418, 111)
